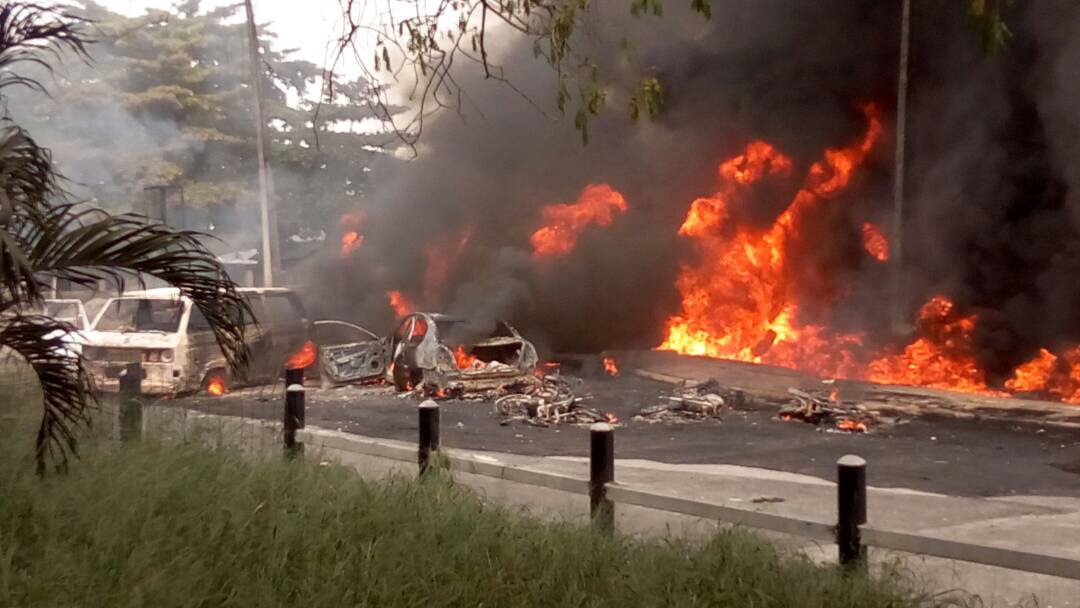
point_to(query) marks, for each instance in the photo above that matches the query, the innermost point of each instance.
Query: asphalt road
(933, 454)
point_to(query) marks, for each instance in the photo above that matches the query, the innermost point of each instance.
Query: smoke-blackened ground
(990, 213)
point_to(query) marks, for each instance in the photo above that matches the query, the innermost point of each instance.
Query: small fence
(852, 534)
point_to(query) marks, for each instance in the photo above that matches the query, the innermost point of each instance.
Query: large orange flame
(942, 357)
(399, 303)
(597, 204)
(736, 302)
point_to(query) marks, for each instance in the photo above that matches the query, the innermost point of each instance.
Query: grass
(151, 525)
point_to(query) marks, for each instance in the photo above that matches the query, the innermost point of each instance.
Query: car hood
(130, 339)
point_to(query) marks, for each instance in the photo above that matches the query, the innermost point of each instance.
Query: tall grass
(184, 526)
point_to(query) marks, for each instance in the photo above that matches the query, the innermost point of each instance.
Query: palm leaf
(38, 36)
(66, 388)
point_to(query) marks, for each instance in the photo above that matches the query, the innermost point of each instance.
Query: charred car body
(450, 354)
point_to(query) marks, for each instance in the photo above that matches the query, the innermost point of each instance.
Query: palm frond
(87, 245)
(36, 35)
(67, 390)
(27, 175)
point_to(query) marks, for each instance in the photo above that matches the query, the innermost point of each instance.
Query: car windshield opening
(138, 314)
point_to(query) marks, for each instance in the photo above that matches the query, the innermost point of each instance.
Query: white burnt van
(158, 339)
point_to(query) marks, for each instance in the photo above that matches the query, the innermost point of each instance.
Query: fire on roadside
(740, 298)
(216, 386)
(303, 358)
(611, 368)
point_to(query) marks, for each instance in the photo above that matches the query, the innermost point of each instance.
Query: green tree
(43, 237)
(167, 101)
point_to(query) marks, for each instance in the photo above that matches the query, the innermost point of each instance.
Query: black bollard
(601, 473)
(429, 433)
(850, 508)
(294, 419)
(294, 376)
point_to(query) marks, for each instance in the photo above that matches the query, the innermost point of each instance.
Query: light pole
(265, 212)
(899, 310)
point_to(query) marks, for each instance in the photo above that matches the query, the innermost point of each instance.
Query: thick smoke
(991, 210)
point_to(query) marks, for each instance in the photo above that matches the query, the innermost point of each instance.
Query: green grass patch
(162, 526)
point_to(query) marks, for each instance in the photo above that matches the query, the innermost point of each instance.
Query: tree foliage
(43, 238)
(167, 101)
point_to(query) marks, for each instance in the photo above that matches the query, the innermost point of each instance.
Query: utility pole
(899, 310)
(265, 210)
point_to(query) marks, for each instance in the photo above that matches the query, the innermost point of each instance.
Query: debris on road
(826, 411)
(549, 402)
(691, 402)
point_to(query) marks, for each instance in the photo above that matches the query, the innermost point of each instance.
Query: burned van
(157, 342)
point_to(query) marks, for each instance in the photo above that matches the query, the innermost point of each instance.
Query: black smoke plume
(992, 200)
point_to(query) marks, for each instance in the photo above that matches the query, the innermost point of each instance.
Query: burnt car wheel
(406, 378)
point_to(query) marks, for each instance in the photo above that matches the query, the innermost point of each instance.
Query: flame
(305, 357)
(399, 303)
(463, 359)
(850, 425)
(597, 204)
(352, 239)
(610, 367)
(942, 357)
(216, 386)
(736, 301)
(874, 242)
(442, 255)
(1033, 375)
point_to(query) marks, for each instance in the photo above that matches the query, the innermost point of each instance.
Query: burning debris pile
(701, 401)
(549, 401)
(828, 412)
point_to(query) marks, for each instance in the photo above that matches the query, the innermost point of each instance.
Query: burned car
(450, 354)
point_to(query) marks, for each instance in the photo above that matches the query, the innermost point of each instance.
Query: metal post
(294, 376)
(294, 419)
(429, 433)
(850, 508)
(899, 312)
(601, 473)
(265, 208)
